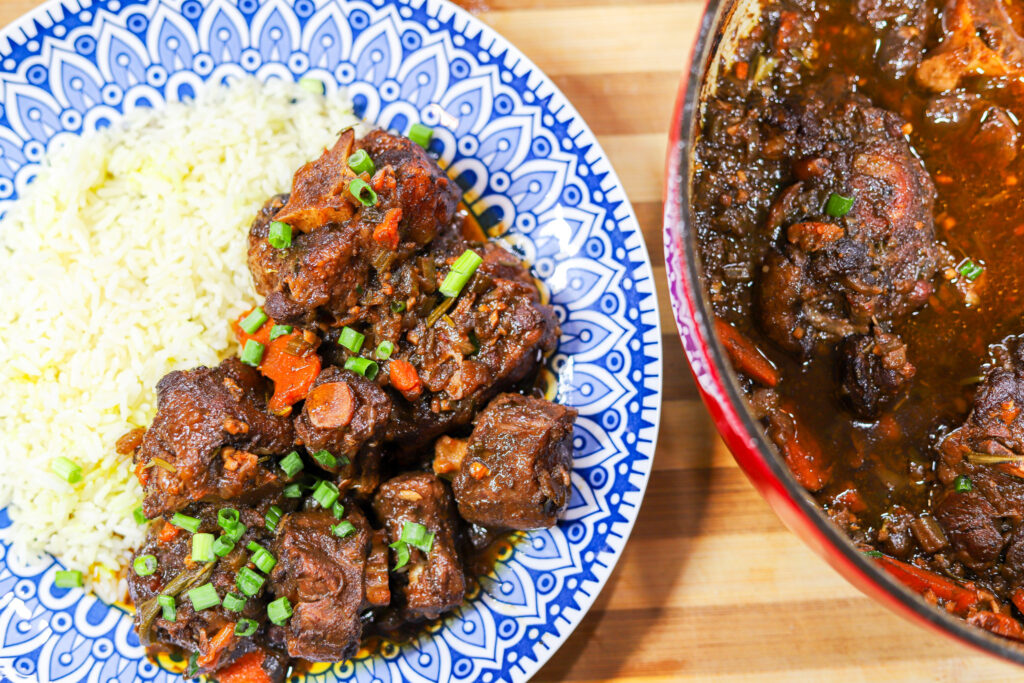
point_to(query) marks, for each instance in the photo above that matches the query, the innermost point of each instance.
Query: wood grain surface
(711, 586)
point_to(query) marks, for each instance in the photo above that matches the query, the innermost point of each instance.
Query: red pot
(720, 389)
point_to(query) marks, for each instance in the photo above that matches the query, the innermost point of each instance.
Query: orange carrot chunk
(745, 355)
(922, 581)
(246, 669)
(293, 372)
(217, 645)
(405, 378)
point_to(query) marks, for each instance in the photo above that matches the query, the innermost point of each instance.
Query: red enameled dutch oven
(722, 22)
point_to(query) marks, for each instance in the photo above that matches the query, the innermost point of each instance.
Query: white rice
(123, 261)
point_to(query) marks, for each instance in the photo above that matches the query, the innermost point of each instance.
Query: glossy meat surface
(516, 471)
(433, 582)
(206, 441)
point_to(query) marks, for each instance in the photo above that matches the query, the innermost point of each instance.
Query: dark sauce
(979, 215)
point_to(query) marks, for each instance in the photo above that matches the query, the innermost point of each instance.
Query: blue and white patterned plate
(528, 163)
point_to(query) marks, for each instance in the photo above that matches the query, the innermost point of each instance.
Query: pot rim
(721, 391)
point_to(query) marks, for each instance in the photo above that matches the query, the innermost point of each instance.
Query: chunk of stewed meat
(431, 582)
(209, 632)
(207, 440)
(345, 415)
(324, 570)
(873, 371)
(338, 245)
(969, 521)
(516, 469)
(840, 267)
(491, 337)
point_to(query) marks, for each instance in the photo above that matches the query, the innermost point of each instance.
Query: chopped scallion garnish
(139, 515)
(245, 627)
(68, 470)
(234, 603)
(254, 321)
(222, 546)
(462, 270)
(263, 560)
(398, 307)
(343, 529)
(417, 536)
(401, 554)
(236, 532)
(326, 494)
(248, 581)
(273, 517)
(202, 548)
(169, 606)
(227, 518)
(292, 464)
(292, 491)
(362, 366)
(185, 522)
(204, 597)
(421, 135)
(279, 611)
(360, 162)
(963, 484)
(838, 206)
(338, 510)
(351, 340)
(252, 354)
(970, 270)
(361, 190)
(325, 459)
(144, 565)
(384, 350)
(67, 578)
(280, 331)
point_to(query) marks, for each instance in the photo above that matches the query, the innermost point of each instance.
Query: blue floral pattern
(532, 172)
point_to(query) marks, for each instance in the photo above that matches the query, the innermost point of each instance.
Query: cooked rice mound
(123, 261)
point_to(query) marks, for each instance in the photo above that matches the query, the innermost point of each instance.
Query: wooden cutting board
(711, 586)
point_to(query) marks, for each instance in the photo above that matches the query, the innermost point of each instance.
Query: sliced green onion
(313, 85)
(254, 321)
(222, 546)
(169, 607)
(234, 603)
(139, 515)
(398, 307)
(204, 597)
(838, 206)
(193, 665)
(248, 581)
(245, 627)
(326, 494)
(280, 331)
(963, 484)
(279, 611)
(185, 522)
(338, 510)
(292, 464)
(970, 270)
(227, 518)
(362, 366)
(279, 235)
(401, 554)
(361, 190)
(68, 470)
(360, 163)
(202, 548)
(293, 491)
(263, 560)
(144, 564)
(325, 459)
(351, 340)
(252, 354)
(873, 553)
(417, 536)
(343, 529)
(254, 546)
(462, 270)
(236, 532)
(273, 517)
(67, 578)
(421, 135)
(384, 350)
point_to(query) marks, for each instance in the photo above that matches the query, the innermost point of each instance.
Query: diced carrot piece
(142, 473)
(1018, 599)
(922, 581)
(405, 378)
(168, 533)
(799, 449)
(745, 355)
(999, 624)
(330, 405)
(218, 644)
(246, 669)
(386, 234)
(292, 375)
